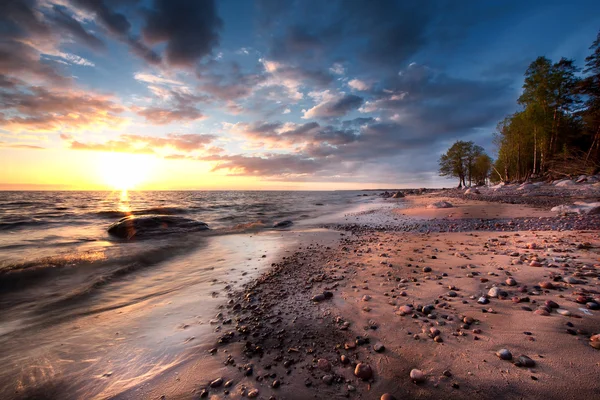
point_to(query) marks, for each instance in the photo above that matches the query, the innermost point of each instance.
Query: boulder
(283, 224)
(564, 183)
(579, 207)
(398, 195)
(440, 204)
(141, 226)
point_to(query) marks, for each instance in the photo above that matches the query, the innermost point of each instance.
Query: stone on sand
(363, 371)
(417, 375)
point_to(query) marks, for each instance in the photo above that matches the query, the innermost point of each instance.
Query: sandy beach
(478, 313)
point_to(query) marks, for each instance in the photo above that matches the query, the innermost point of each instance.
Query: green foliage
(560, 114)
(465, 160)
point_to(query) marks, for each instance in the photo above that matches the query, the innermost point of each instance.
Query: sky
(273, 94)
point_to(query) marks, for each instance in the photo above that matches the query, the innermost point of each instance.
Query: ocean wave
(8, 225)
(146, 211)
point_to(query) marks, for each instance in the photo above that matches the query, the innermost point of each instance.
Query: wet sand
(299, 331)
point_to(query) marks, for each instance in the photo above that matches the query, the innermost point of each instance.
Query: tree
(590, 88)
(461, 161)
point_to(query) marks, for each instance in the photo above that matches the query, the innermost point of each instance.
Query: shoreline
(286, 343)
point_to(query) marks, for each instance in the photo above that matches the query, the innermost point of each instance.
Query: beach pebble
(366, 297)
(323, 365)
(511, 282)
(595, 341)
(387, 396)
(363, 371)
(547, 285)
(379, 348)
(253, 393)
(551, 304)
(405, 309)
(535, 264)
(318, 298)
(542, 311)
(328, 379)
(524, 361)
(564, 312)
(496, 292)
(504, 354)
(417, 375)
(216, 383)
(483, 300)
(427, 269)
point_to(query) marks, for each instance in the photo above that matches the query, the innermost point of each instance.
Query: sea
(85, 314)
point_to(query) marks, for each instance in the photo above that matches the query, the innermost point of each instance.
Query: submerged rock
(283, 224)
(139, 226)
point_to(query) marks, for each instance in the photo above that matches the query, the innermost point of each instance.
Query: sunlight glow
(123, 171)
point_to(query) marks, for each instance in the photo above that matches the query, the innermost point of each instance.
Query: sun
(124, 171)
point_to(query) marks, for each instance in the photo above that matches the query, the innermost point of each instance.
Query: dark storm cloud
(189, 29)
(119, 25)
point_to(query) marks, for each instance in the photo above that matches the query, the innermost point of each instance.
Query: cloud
(188, 29)
(271, 165)
(337, 69)
(155, 79)
(37, 109)
(357, 84)
(334, 106)
(20, 146)
(140, 144)
(66, 23)
(164, 116)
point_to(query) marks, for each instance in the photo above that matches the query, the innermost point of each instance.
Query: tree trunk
(534, 149)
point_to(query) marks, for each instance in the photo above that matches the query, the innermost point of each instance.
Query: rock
(541, 311)
(578, 208)
(387, 396)
(535, 264)
(483, 300)
(328, 379)
(564, 183)
(592, 305)
(427, 269)
(405, 310)
(319, 297)
(366, 297)
(379, 348)
(504, 354)
(532, 246)
(561, 311)
(324, 365)
(595, 341)
(511, 282)
(440, 204)
(143, 226)
(216, 383)
(546, 285)
(551, 304)
(496, 292)
(252, 393)
(524, 361)
(344, 359)
(363, 371)
(283, 224)
(472, 191)
(398, 195)
(417, 376)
